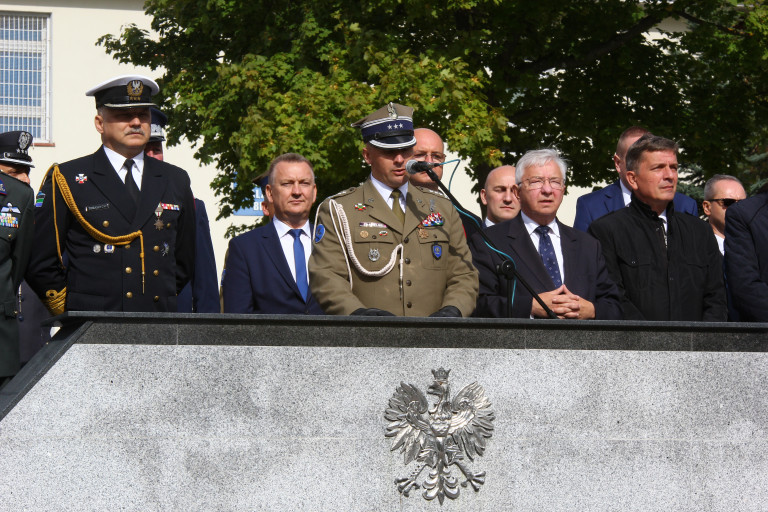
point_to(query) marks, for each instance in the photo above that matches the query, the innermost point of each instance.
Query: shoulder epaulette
(343, 193)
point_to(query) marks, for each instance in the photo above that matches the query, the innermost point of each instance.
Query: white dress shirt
(386, 192)
(554, 236)
(117, 160)
(286, 241)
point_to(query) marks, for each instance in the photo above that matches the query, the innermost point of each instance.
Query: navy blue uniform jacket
(258, 278)
(201, 294)
(585, 271)
(101, 277)
(746, 258)
(594, 205)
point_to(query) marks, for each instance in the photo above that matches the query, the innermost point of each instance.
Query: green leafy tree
(250, 80)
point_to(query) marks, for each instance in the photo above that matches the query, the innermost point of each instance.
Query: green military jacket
(436, 264)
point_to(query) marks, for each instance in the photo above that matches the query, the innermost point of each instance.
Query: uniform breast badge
(81, 178)
(158, 214)
(440, 436)
(437, 251)
(360, 207)
(423, 233)
(363, 234)
(374, 255)
(319, 232)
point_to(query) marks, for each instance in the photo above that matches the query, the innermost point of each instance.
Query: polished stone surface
(247, 415)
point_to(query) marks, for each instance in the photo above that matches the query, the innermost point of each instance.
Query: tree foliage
(247, 81)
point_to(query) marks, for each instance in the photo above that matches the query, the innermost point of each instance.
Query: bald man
(497, 196)
(429, 148)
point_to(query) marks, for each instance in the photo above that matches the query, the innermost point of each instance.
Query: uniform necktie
(396, 208)
(547, 252)
(300, 263)
(130, 183)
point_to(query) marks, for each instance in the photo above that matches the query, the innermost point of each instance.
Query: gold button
(129, 295)
(168, 225)
(156, 299)
(128, 246)
(128, 270)
(156, 273)
(105, 223)
(156, 248)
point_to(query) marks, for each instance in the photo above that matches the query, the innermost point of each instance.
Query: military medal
(363, 234)
(158, 213)
(374, 255)
(97, 248)
(433, 219)
(109, 249)
(423, 233)
(81, 178)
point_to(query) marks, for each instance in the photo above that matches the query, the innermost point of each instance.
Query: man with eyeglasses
(563, 265)
(665, 263)
(746, 258)
(720, 192)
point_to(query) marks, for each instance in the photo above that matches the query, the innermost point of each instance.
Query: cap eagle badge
(440, 436)
(134, 89)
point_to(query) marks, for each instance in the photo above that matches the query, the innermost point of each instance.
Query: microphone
(414, 166)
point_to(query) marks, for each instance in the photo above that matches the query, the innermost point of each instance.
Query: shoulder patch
(39, 199)
(319, 233)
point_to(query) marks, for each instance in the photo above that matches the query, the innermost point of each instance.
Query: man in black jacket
(126, 223)
(667, 264)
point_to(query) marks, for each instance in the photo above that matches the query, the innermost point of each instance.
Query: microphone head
(416, 166)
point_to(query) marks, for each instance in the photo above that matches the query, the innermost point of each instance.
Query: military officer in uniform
(16, 229)
(387, 248)
(125, 222)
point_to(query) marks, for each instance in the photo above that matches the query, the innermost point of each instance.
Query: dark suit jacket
(746, 258)
(102, 278)
(258, 278)
(201, 294)
(594, 205)
(585, 272)
(472, 224)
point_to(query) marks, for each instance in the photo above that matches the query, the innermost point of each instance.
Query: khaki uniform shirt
(436, 262)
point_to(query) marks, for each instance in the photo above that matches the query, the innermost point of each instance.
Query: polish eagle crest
(440, 436)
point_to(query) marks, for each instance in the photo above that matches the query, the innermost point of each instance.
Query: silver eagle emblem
(440, 436)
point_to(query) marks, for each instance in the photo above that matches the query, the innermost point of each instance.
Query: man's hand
(564, 304)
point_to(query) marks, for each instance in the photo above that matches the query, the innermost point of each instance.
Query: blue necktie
(300, 263)
(547, 252)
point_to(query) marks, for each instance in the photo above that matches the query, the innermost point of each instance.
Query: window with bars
(25, 74)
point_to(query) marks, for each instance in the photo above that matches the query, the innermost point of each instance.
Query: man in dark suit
(267, 267)
(746, 257)
(201, 293)
(498, 196)
(615, 196)
(16, 229)
(564, 266)
(125, 222)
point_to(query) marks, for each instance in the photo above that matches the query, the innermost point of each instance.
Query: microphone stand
(507, 267)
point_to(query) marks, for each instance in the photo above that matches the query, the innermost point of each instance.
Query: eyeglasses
(725, 203)
(436, 157)
(537, 182)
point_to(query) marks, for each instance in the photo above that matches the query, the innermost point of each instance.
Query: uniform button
(156, 273)
(105, 223)
(129, 295)
(168, 225)
(409, 305)
(128, 246)
(408, 283)
(128, 270)
(156, 299)
(156, 248)
(407, 261)
(374, 237)
(405, 240)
